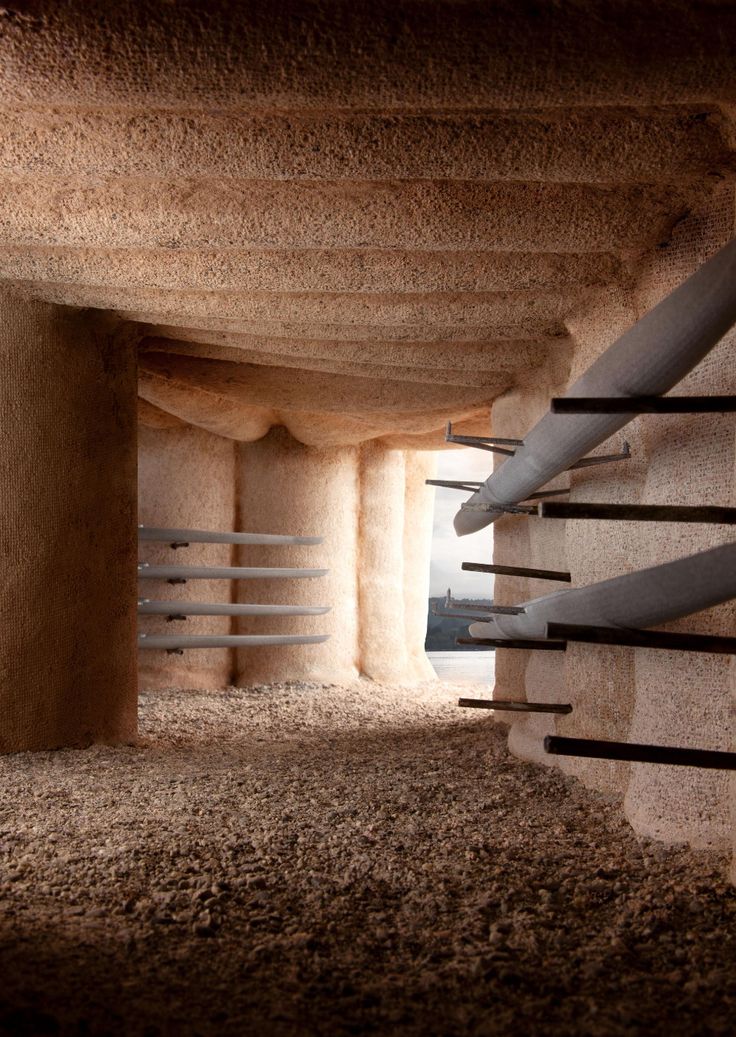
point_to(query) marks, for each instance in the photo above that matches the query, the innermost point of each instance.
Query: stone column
(186, 479)
(418, 521)
(383, 649)
(286, 487)
(67, 530)
(396, 510)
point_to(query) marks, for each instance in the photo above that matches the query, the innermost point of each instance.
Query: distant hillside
(442, 630)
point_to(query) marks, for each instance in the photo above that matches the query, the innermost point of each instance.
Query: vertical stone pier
(67, 529)
(286, 487)
(186, 479)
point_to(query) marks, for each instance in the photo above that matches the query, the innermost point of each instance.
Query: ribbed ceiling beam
(398, 215)
(472, 357)
(532, 310)
(310, 270)
(569, 146)
(382, 56)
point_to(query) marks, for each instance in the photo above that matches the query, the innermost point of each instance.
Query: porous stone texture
(186, 480)
(366, 503)
(67, 529)
(640, 695)
(369, 503)
(332, 227)
(316, 860)
(354, 224)
(286, 487)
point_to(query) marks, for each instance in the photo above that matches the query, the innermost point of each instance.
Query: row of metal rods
(558, 634)
(596, 748)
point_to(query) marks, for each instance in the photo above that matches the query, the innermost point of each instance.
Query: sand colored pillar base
(393, 574)
(186, 479)
(375, 513)
(286, 487)
(67, 530)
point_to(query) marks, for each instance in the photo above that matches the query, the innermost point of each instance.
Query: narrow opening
(458, 663)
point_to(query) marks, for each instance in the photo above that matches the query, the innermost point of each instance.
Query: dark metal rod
(644, 405)
(494, 610)
(639, 512)
(467, 441)
(502, 642)
(593, 460)
(516, 707)
(452, 484)
(468, 612)
(599, 750)
(643, 638)
(486, 441)
(547, 493)
(507, 509)
(515, 570)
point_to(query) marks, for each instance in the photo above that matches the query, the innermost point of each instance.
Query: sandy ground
(322, 860)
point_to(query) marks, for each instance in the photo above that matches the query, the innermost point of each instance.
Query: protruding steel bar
(183, 641)
(500, 642)
(515, 570)
(198, 572)
(507, 509)
(548, 493)
(464, 484)
(644, 405)
(642, 638)
(647, 598)
(452, 484)
(650, 359)
(594, 460)
(491, 443)
(516, 707)
(638, 512)
(183, 537)
(203, 608)
(639, 753)
(498, 610)
(450, 437)
(471, 613)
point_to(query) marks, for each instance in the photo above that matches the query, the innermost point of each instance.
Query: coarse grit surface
(318, 860)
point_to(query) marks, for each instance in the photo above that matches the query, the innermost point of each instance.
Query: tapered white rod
(205, 608)
(227, 640)
(206, 536)
(647, 360)
(200, 572)
(637, 600)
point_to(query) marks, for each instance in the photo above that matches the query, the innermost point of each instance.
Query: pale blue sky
(448, 549)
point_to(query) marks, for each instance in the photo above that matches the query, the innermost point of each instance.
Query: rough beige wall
(375, 513)
(528, 543)
(67, 530)
(680, 699)
(286, 487)
(395, 542)
(382, 636)
(186, 479)
(639, 695)
(372, 507)
(418, 526)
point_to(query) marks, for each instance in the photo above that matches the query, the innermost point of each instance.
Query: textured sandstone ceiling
(356, 220)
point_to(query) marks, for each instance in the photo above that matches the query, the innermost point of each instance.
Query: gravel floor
(324, 860)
